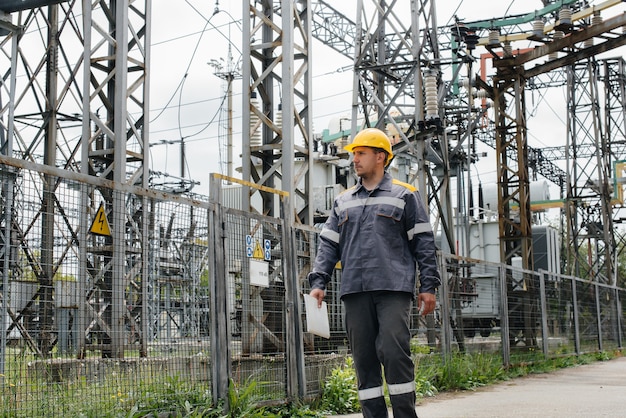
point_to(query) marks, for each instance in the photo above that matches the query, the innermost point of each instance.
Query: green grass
(142, 393)
(462, 372)
(458, 372)
(117, 396)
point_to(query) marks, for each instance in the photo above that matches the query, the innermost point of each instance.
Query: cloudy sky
(186, 95)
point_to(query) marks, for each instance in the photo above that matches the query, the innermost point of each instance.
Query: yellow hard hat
(373, 138)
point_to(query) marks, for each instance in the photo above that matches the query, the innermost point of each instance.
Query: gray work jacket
(378, 236)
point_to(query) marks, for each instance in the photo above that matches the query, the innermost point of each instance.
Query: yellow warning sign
(258, 251)
(100, 224)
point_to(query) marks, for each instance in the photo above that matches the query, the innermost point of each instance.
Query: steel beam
(11, 6)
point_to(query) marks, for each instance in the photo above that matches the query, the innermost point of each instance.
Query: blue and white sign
(267, 250)
(249, 246)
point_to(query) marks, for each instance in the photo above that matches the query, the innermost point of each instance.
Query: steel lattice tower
(277, 47)
(595, 156)
(82, 108)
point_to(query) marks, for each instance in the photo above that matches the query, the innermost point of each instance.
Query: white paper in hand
(316, 318)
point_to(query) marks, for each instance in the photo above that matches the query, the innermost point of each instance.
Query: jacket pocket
(342, 218)
(391, 212)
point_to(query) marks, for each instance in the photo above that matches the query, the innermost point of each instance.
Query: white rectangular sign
(259, 273)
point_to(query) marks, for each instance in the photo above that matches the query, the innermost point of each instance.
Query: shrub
(340, 394)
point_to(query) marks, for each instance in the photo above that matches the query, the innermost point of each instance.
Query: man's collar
(385, 183)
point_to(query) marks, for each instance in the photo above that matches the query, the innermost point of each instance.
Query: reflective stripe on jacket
(378, 236)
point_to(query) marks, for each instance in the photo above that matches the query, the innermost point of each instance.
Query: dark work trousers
(377, 324)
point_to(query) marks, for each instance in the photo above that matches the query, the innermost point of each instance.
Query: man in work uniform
(379, 229)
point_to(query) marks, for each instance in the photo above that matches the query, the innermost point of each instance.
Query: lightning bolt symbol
(101, 220)
(100, 224)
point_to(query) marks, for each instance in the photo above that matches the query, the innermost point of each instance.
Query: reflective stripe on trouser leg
(402, 398)
(401, 388)
(373, 403)
(371, 393)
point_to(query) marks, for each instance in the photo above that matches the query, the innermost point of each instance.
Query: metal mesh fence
(579, 316)
(474, 306)
(103, 306)
(256, 295)
(609, 335)
(112, 302)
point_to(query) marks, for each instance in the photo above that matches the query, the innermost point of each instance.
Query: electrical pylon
(82, 107)
(277, 47)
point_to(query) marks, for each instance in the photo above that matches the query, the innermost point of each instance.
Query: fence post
(116, 349)
(5, 258)
(147, 230)
(596, 293)
(444, 303)
(618, 309)
(544, 311)
(576, 325)
(294, 350)
(504, 318)
(219, 334)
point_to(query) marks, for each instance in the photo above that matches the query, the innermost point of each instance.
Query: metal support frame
(6, 215)
(115, 146)
(589, 213)
(391, 54)
(511, 68)
(512, 169)
(387, 91)
(514, 216)
(277, 40)
(608, 115)
(88, 118)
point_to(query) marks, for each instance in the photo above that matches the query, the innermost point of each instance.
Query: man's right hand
(319, 295)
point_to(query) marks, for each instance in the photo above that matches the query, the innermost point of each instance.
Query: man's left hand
(426, 303)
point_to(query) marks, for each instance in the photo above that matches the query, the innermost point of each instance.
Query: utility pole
(228, 74)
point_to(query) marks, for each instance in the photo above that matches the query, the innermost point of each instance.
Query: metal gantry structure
(87, 114)
(595, 123)
(588, 179)
(82, 113)
(277, 50)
